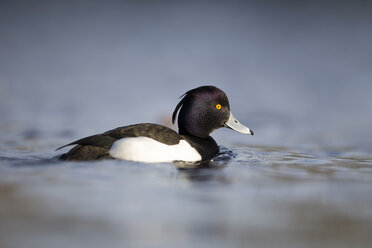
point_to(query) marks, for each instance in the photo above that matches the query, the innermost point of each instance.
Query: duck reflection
(208, 171)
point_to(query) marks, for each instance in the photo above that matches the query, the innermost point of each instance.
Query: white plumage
(144, 149)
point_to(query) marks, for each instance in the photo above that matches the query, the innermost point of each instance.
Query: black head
(203, 110)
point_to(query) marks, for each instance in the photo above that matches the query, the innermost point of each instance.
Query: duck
(200, 111)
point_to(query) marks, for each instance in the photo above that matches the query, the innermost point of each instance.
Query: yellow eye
(218, 106)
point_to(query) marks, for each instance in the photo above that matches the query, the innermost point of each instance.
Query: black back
(97, 146)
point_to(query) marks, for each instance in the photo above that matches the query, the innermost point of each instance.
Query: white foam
(144, 149)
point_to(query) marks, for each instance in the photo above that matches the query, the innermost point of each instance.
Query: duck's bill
(234, 124)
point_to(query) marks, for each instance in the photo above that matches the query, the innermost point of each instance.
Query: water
(297, 74)
(257, 196)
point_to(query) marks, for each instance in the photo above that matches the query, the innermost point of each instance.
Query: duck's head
(203, 110)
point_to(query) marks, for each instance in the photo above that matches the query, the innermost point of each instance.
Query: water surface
(250, 195)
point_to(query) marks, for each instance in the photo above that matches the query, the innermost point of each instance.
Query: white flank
(144, 149)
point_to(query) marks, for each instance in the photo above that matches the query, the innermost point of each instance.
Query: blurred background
(296, 72)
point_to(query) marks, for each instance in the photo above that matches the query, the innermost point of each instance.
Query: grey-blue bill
(234, 124)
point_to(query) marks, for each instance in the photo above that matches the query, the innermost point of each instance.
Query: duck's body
(202, 110)
(145, 142)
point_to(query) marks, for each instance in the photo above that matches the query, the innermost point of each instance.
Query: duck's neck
(193, 127)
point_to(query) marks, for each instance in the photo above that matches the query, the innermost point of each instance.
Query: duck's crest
(179, 105)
